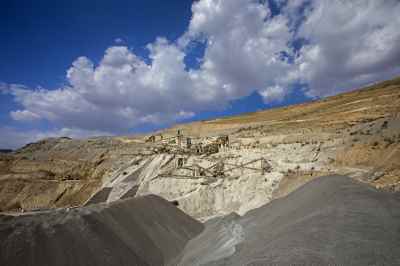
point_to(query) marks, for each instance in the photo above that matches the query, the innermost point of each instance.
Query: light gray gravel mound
(332, 220)
(141, 231)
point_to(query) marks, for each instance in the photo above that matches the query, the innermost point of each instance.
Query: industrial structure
(188, 144)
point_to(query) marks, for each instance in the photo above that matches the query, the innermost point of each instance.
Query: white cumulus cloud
(24, 115)
(350, 43)
(321, 47)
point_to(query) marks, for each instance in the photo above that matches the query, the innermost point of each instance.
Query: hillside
(269, 154)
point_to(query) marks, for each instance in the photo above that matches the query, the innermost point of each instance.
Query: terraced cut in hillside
(212, 168)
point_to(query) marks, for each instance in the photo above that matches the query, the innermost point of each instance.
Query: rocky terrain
(232, 164)
(332, 220)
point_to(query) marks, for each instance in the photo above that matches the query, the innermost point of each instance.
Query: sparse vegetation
(389, 141)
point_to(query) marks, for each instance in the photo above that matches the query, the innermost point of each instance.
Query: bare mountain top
(375, 101)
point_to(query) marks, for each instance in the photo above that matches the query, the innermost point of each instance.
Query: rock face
(332, 220)
(355, 134)
(141, 231)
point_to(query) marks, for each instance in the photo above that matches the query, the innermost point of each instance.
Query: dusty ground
(356, 133)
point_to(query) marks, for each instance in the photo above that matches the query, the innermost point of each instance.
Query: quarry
(218, 172)
(200, 133)
(216, 167)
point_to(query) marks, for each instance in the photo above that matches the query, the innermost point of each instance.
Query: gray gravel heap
(140, 231)
(332, 220)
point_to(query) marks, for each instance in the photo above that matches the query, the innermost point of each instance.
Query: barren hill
(212, 168)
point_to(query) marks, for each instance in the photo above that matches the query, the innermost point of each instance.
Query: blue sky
(83, 68)
(40, 39)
